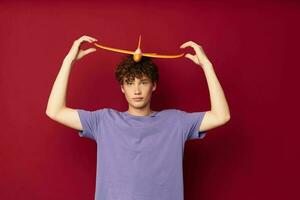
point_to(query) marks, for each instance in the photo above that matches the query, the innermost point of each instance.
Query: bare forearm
(57, 98)
(218, 101)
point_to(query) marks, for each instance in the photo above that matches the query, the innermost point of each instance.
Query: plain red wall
(252, 46)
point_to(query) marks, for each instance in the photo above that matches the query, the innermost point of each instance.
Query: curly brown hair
(130, 69)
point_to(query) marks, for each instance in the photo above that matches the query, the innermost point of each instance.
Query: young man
(140, 151)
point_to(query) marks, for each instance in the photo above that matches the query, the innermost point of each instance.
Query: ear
(122, 88)
(154, 86)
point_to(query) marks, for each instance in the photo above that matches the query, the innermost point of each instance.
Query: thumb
(190, 56)
(90, 50)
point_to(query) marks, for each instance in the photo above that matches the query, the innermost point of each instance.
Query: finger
(90, 50)
(91, 38)
(191, 57)
(197, 48)
(188, 44)
(184, 45)
(87, 39)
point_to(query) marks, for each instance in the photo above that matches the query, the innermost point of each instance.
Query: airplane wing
(154, 55)
(114, 49)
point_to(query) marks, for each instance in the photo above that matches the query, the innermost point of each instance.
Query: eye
(145, 82)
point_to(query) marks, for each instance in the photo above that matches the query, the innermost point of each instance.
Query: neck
(140, 112)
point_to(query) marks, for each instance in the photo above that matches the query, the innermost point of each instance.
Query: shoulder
(102, 112)
(182, 114)
(109, 113)
(105, 110)
(171, 112)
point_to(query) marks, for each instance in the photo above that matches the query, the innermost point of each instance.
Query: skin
(219, 113)
(139, 88)
(57, 110)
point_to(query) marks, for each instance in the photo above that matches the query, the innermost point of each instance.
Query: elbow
(50, 114)
(225, 119)
(53, 113)
(221, 118)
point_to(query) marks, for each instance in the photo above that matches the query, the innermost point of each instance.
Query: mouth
(137, 99)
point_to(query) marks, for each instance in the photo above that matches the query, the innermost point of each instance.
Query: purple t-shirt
(140, 157)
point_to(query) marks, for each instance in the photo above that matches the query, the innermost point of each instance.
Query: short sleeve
(190, 123)
(90, 121)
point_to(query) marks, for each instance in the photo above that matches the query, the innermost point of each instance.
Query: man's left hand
(199, 58)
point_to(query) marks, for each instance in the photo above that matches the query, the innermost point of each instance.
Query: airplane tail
(139, 42)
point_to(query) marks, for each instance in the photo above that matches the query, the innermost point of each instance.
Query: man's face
(139, 88)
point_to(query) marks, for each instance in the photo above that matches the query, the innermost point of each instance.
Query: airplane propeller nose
(137, 54)
(137, 57)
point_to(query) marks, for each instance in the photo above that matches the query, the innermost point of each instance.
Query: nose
(137, 90)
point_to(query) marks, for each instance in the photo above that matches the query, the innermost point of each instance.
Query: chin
(138, 105)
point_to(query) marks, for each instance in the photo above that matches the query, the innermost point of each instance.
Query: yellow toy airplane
(137, 54)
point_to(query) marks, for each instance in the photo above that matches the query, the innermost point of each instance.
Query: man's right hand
(76, 53)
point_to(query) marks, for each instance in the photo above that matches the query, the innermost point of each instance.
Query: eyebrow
(144, 79)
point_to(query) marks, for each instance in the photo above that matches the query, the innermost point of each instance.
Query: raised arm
(56, 107)
(219, 113)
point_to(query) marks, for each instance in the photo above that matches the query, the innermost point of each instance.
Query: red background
(253, 47)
